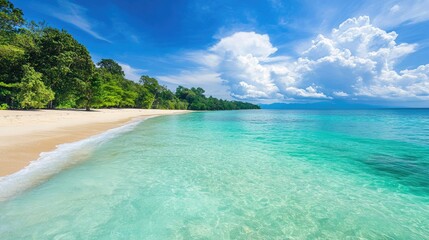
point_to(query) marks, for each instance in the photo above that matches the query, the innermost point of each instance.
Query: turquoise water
(349, 174)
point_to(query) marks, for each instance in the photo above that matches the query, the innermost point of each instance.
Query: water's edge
(238, 175)
(62, 157)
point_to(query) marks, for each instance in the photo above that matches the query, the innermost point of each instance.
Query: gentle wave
(51, 163)
(240, 175)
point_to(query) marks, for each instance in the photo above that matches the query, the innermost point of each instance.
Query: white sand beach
(25, 134)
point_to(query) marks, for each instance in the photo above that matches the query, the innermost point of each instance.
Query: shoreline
(24, 135)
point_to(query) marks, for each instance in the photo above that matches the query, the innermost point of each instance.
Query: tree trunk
(88, 105)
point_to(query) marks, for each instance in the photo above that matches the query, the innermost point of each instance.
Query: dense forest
(44, 67)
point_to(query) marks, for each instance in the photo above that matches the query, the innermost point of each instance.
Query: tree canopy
(45, 67)
(33, 93)
(111, 66)
(10, 17)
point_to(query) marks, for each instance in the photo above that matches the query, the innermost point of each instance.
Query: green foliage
(198, 101)
(33, 92)
(4, 106)
(91, 91)
(110, 89)
(151, 84)
(152, 89)
(46, 67)
(11, 60)
(145, 98)
(8, 92)
(111, 66)
(130, 93)
(10, 17)
(64, 63)
(153, 95)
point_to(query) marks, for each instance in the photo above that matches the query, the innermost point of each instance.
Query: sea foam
(51, 163)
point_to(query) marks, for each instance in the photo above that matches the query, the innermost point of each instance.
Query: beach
(26, 134)
(257, 174)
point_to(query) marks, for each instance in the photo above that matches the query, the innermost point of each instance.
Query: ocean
(256, 174)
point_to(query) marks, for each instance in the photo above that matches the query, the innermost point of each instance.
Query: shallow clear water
(240, 175)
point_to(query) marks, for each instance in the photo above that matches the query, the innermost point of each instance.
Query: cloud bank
(356, 61)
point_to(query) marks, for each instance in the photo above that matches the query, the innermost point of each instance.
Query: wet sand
(26, 134)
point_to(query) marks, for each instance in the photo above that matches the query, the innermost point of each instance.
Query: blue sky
(264, 51)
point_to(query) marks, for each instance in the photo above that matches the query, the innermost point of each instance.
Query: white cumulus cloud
(356, 60)
(241, 63)
(244, 43)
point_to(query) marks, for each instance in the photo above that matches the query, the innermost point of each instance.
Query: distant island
(44, 67)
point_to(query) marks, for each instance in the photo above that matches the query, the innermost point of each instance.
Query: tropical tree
(152, 90)
(10, 17)
(111, 66)
(64, 63)
(91, 91)
(33, 92)
(38, 63)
